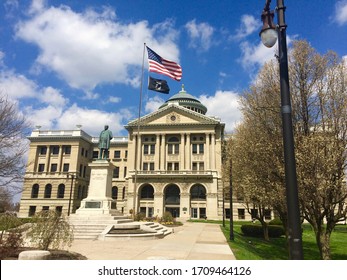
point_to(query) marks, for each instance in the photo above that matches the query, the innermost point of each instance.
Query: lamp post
(269, 36)
(231, 221)
(71, 187)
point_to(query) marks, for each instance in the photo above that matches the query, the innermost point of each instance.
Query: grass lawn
(252, 248)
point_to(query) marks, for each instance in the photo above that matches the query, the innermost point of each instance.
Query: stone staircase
(147, 230)
(89, 227)
(101, 227)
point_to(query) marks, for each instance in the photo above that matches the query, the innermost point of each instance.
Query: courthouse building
(170, 161)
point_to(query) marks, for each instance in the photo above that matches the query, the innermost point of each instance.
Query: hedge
(257, 230)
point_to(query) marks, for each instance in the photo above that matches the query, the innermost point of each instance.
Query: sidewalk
(192, 241)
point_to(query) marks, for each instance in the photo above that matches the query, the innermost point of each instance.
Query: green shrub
(257, 231)
(167, 218)
(140, 217)
(276, 221)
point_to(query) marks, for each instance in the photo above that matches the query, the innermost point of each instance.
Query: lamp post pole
(231, 222)
(294, 223)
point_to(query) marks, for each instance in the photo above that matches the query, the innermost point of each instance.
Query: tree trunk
(323, 242)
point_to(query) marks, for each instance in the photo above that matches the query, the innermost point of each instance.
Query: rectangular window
(95, 154)
(125, 171)
(41, 167)
(150, 211)
(116, 154)
(55, 150)
(66, 167)
(241, 214)
(198, 166)
(45, 208)
(54, 167)
(198, 148)
(194, 213)
(116, 172)
(267, 214)
(254, 213)
(59, 210)
(126, 154)
(148, 166)
(82, 152)
(67, 150)
(202, 213)
(149, 149)
(172, 166)
(173, 149)
(143, 210)
(42, 150)
(32, 211)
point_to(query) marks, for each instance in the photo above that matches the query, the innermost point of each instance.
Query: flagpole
(138, 131)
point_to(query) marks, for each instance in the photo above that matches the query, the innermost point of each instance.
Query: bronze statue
(104, 143)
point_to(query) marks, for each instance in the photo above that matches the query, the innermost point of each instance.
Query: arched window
(147, 192)
(61, 191)
(48, 191)
(172, 195)
(114, 192)
(198, 192)
(35, 191)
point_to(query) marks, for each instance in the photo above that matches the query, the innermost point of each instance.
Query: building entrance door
(175, 211)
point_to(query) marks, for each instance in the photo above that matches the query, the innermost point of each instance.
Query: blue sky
(69, 63)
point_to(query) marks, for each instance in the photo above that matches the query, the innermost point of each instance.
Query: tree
(319, 88)
(50, 230)
(319, 108)
(13, 148)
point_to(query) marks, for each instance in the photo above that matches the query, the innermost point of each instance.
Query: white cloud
(225, 105)
(52, 96)
(248, 25)
(200, 35)
(114, 99)
(44, 117)
(341, 12)
(92, 121)
(255, 55)
(89, 48)
(153, 104)
(17, 86)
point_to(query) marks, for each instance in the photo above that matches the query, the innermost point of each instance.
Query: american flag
(163, 66)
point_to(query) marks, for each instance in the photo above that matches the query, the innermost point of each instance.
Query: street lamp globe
(269, 37)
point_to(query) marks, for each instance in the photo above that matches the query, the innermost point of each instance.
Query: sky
(73, 62)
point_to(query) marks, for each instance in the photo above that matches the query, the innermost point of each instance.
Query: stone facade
(170, 161)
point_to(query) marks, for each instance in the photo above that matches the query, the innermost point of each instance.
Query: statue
(104, 142)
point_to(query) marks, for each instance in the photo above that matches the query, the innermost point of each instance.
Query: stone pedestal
(99, 200)
(34, 255)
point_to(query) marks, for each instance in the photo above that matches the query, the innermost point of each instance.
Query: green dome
(186, 100)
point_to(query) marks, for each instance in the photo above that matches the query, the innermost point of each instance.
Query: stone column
(213, 150)
(188, 153)
(157, 152)
(182, 154)
(60, 158)
(162, 152)
(207, 151)
(158, 204)
(48, 158)
(139, 152)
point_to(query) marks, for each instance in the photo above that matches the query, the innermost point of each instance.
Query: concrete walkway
(192, 241)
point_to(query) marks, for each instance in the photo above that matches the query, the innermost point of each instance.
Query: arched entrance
(198, 201)
(172, 200)
(146, 199)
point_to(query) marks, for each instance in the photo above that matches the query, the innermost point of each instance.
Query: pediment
(174, 115)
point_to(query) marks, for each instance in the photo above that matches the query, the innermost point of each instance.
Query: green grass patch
(253, 248)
